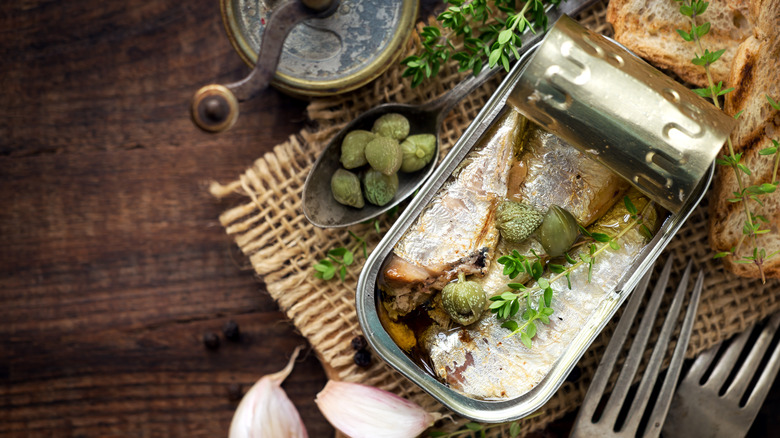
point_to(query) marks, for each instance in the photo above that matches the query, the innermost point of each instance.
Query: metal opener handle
(214, 107)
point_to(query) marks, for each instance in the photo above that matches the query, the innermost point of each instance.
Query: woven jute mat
(269, 227)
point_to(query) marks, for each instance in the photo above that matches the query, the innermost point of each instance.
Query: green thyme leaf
(474, 427)
(629, 205)
(685, 35)
(772, 102)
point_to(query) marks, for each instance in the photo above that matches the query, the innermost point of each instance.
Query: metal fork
(585, 426)
(699, 410)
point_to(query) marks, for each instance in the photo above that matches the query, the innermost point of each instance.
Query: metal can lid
(327, 56)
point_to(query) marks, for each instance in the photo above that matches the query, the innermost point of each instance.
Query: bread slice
(649, 28)
(755, 73)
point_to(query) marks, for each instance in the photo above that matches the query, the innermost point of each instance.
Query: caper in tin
(558, 231)
(417, 151)
(384, 155)
(391, 125)
(345, 186)
(379, 188)
(516, 220)
(353, 148)
(464, 301)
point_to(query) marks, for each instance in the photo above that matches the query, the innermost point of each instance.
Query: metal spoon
(319, 206)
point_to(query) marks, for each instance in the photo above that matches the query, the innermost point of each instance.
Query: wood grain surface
(112, 263)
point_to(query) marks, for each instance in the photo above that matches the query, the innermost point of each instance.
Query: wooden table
(112, 263)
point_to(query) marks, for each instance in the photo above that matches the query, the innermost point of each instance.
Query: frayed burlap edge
(282, 246)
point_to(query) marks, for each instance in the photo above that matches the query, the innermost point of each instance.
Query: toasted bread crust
(649, 28)
(756, 71)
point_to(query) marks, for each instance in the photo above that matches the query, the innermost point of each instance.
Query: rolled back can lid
(327, 56)
(621, 111)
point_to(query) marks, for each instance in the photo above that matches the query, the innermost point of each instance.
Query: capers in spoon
(516, 220)
(464, 301)
(558, 231)
(384, 155)
(379, 188)
(392, 125)
(345, 186)
(353, 148)
(417, 151)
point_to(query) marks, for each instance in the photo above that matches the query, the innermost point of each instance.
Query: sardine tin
(505, 410)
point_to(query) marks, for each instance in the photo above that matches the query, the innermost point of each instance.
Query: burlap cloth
(270, 229)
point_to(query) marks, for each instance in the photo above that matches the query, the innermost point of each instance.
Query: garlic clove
(361, 411)
(266, 411)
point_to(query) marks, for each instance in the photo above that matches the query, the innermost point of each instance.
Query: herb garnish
(507, 304)
(753, 222)
(338, 259)
(485, 34)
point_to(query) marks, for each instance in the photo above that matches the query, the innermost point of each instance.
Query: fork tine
(664, 400)
(701, 364)
(749, 366)
(607, 363)
(626, 377)
(770, 370)
(642, 397)
(727, 362)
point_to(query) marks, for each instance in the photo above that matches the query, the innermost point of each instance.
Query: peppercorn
(231, 332)
(211, 340)
(234, 392)
(359, 343)
(362, 358)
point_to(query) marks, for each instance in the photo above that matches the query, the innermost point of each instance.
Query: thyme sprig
(507, 304)
(489, 35)
(338, 259)
(752, 227)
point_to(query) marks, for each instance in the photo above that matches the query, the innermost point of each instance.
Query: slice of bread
(755, 73)
(649, 28)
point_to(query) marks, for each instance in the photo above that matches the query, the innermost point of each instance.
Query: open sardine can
(613, 109)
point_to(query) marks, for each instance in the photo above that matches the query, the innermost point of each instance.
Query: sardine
(558, 174)
(455, 233)
(481, 361)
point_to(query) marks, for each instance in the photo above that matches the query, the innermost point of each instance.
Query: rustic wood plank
(112, 268)
(112, 263)
(119, 75)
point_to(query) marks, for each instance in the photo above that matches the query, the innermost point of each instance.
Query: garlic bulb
(364, 411)
(266, 411)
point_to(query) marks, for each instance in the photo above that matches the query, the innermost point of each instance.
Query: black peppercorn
(231, 332)
(359, 343)
(234, 392)
(211, 340)
(362, 358)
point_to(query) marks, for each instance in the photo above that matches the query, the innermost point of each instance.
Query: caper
(345, 187)
(417, 151)
(391, 125)
(378, 187)
(384, 155)
(516, 220)
(353, 148)
(464, 301)
(558, 231)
